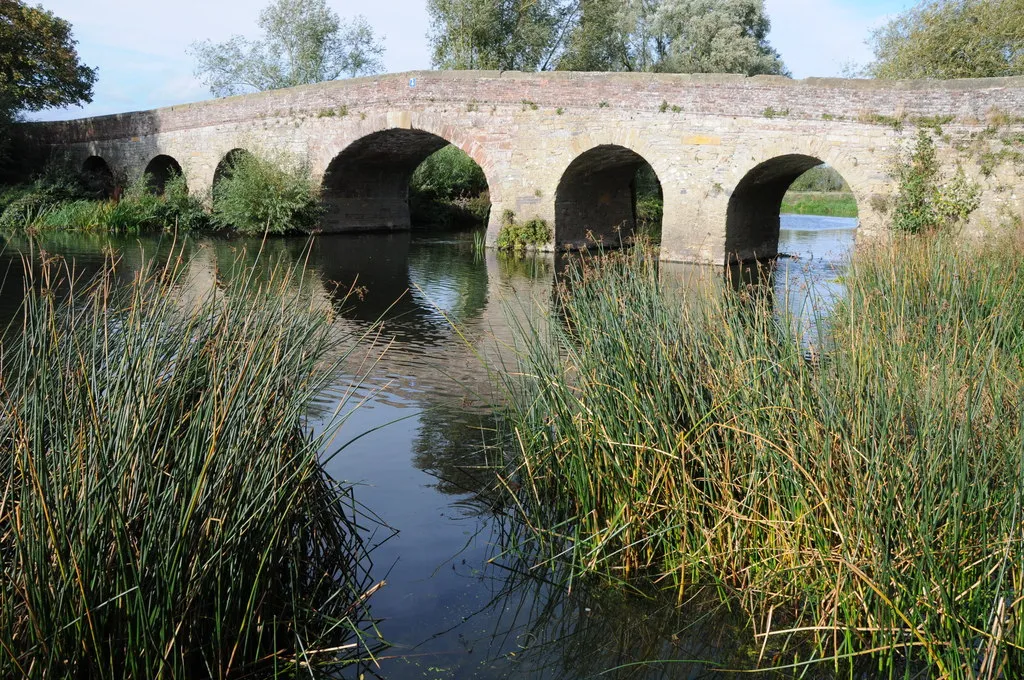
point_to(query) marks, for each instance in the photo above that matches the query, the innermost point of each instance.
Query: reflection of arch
(597, 196)
(98, 176)
(366, 186)
(160, 170)
(752, 217)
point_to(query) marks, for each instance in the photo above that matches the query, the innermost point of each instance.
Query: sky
(140, 48)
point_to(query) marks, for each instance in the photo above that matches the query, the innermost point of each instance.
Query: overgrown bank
(862, 502)
(165, 512)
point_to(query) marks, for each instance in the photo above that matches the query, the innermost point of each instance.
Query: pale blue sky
(139, 45)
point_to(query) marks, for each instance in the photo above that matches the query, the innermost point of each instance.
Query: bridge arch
(753, 213)
(366, 185)
(98, 176)
(160, 171)
(596, 197)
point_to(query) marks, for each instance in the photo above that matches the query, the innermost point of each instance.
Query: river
(454, 606)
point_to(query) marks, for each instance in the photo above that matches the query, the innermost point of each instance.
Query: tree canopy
(304, 42)
(952, 39)
(693, 36)
(39, 65)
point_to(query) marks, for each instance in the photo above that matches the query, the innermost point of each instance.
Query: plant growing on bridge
(304, 42)
(518, 236)
(923, 203)
(260, 194)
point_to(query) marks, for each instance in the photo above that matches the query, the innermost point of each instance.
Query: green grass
(861, 502)
(838, 204)
(163, 511)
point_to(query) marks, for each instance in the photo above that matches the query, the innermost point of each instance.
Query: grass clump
(164, 512)
(518, 236)
(258, 195)
(861, 501)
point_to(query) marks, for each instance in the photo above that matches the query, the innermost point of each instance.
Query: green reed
(860, 501)
(163, 509)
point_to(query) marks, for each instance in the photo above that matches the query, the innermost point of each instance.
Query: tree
(511, 35)
(952, 39)
(39, 66)
(304, 42)
(693, 36)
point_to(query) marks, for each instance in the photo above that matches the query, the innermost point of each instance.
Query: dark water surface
(454, 605)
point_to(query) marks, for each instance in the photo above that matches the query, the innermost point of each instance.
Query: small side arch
(98, 176)
(160, 171)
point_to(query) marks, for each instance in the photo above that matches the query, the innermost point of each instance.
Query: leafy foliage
(512, 35)
(821, 178)
(518, 236)
(692, 36)
(448, 174)
(304, 42)
(258, 195)
(923, 203)
(952, 39)
(39, 65)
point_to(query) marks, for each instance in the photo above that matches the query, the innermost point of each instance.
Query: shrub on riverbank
(449, 191)
(164, 512)
(861, 500)
(260, 194)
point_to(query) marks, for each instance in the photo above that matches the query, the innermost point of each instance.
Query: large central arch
(752, 220)
(596, 198)
(366, 186)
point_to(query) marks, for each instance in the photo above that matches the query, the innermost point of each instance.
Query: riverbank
(826, 203)
(860, 499)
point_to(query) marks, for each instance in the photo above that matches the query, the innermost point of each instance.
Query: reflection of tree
(453, 446)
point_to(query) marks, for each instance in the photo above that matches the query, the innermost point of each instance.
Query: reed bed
(861, 502)
(163, 509)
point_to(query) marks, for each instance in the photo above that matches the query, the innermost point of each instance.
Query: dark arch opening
(753, 219)
(602, 197)
(98, 177)
(366, 186)
(225, 167)
(160, 171)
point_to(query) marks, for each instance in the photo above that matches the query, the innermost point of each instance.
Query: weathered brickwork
(703, 135)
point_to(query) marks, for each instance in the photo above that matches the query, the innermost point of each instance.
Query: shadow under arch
(366, 186)
(753, 216)
(160, 170)
(596, 198)
(228, 162)
(98, 176)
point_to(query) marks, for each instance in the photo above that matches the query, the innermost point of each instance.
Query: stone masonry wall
(702, 134)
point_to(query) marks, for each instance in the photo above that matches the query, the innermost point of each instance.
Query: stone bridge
(565, 147)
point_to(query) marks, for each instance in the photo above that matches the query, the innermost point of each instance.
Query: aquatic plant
(861, 501)
(164, 512)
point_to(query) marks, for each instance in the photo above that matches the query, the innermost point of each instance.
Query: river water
(455, 605)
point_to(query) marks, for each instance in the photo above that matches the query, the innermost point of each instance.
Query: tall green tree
(511, 35)
(304, 42)
(681, 36)
(952, 39)
(39, 66)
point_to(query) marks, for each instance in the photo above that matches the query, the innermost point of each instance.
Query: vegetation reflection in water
(459, 601)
